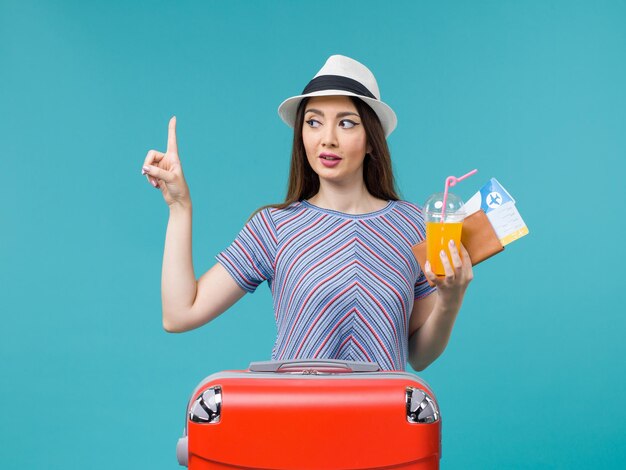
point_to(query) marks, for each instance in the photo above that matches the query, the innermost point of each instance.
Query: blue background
(529, 92)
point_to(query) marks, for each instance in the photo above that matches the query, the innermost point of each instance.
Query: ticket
(500, 208)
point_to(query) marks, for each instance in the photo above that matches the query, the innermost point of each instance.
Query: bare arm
(187, 303)
(433, 316)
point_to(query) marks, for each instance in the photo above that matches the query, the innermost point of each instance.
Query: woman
(337, 253)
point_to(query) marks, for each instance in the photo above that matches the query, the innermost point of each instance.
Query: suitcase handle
(313, 365)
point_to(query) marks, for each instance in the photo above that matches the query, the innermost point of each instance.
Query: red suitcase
(311, 415)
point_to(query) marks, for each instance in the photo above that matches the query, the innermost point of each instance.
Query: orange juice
(438, 236)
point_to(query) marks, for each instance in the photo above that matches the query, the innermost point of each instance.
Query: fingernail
(145, 170)
(442, 254)
(451, 243)
(154, 183)
(427, 266)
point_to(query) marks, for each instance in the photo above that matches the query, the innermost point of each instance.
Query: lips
(329, 160)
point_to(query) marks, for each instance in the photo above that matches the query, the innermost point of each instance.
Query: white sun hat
(342, 76)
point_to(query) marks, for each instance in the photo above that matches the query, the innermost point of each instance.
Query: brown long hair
(377, 171)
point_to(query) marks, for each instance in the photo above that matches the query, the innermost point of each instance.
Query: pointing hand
(164, 171)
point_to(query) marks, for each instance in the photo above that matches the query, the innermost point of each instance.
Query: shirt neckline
(345, 215)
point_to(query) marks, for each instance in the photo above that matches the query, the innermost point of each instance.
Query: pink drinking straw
(451, 181)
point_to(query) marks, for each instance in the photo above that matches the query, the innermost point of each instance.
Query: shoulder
(408, 209)
(262, 223)
(291, 209)
(283, 215)
(274, 217)
(409, 219)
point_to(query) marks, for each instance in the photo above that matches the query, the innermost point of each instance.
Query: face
(334, 139)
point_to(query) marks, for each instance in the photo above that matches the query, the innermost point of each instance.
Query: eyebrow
(342, 114)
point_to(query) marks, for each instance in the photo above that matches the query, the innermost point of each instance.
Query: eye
(313, 123)
(347, 124)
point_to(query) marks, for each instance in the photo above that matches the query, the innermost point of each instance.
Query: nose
(329, 137)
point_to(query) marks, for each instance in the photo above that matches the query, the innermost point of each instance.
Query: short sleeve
(422, 287)
(250, 258)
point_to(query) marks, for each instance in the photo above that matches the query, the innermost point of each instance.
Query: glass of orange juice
(441, 227)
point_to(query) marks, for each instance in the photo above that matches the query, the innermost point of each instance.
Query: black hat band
(337, 82)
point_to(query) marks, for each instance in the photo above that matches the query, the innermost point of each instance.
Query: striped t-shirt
(343, 285)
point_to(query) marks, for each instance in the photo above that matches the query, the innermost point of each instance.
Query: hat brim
(288, 108)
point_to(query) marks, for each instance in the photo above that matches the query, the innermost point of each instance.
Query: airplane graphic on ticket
(500, 208)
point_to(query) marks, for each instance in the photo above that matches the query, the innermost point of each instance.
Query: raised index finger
(172, 146)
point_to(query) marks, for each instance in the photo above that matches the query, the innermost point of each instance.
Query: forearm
(431, 339)
(178, 282)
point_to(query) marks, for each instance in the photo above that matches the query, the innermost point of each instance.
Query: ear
(368, 149)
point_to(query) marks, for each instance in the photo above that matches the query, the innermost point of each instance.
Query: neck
(354, 199)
